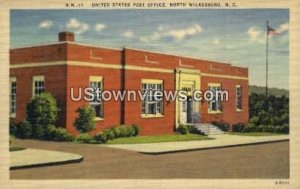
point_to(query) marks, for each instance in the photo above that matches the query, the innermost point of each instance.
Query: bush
(12, 128)
(239, 127)
(249, 128)
(136, 129)
(11, 139)
(254, 120)
(117, 132)
(84, 138)
(42, 110)
(285, 128)
(24, 130)
(124, 131)
(38, 131)
(85, 121)
(221, 125)
(50, 132)
(268, 128)
(61, 134)
(183, 129)
(101, 137)
(109, 134)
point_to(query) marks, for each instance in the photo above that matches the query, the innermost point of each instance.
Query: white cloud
(180, 34)
(256, 35)
(99, 27)
(216, 41)
(79, 27)
(46, 24)
(177, 34)
(128, 34)
(283, 27)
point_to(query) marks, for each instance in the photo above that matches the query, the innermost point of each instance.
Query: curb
(211, 148)
(78, 160)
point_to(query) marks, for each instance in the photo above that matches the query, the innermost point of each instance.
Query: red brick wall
(55, 83)
(79, 77)
(229, 113)
(133, 110)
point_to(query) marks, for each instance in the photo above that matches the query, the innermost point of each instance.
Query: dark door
(189, 110)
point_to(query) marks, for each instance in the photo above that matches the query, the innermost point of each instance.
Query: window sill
(239, 110)
(98, 119)
(152, 116)
(215, 112)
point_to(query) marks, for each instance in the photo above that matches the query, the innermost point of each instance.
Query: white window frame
(38, 78)
(218, 103)
(13, 97)
(239, 97)
(99, 81)
(153, 84)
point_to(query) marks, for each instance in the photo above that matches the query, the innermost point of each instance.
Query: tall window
(96, 104)
(238, 97)
(215, 105)
(13, 97)
(150, 105)
(38, 85)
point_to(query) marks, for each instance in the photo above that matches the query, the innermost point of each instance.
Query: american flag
(271, 31)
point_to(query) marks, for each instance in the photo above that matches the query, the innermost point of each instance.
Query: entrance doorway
(186, 110)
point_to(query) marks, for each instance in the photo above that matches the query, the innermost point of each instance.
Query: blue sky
(232, 36)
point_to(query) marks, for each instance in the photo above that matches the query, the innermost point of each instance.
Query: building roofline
(130, 48)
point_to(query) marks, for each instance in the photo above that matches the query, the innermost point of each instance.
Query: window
(215, 105)
(13, 97)
(38, 85)
(96, 104)
(238, 97)
(149, 105)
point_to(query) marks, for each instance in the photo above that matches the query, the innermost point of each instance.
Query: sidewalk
(220, 141)
(36, 158)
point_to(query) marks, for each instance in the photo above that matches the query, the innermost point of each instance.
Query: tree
(42, 110)
(85, 121)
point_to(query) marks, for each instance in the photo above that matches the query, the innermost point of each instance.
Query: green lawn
(256, 134)
(158, 138)
(15, 148)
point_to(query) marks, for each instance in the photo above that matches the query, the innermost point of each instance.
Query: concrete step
(208, 129)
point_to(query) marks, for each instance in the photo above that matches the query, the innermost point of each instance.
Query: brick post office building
(56, 68)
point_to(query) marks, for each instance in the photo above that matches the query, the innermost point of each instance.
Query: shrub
(109, 134)
(101, 137)
(285, 128)
(24, 130)
(183, 129)
(62, 134)
(124, 131)
(50, 132)
(268, 128)
(249, 128)
(12, 128)
(221, 125)
(11, 139)
(42, 110)
(117, 132)
(84, 138)
(136, 129)
(38, 131)
(85, 121)
(254, 120)
(239, 127)
(259, 128)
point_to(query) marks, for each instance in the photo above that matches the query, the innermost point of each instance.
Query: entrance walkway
(220, 141)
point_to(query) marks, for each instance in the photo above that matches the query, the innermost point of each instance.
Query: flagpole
(267, 46)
